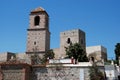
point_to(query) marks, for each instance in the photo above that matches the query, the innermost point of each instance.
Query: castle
(38, 42)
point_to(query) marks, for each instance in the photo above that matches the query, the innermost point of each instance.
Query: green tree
(35, 59)
(49, 54)
(117, 52)
(76, 51)
(95, 73)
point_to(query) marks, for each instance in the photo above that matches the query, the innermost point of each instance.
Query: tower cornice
(39, 10)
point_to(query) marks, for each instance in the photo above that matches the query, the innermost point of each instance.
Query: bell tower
(38, 37)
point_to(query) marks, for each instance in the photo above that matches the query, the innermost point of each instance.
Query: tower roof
(39, 9)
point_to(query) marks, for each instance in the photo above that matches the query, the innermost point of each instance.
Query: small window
(34, 43)
(68, 41)
(36, 20)
(92, 58)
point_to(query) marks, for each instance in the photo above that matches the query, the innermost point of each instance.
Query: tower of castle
(38, 37)
(71, 36)
(67, 38)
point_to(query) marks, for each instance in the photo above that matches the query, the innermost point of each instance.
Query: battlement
(72, 32)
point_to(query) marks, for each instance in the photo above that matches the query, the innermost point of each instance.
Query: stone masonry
(72, 36)
(38, 39)
(62, 73)
(14, 70)
(19, 66)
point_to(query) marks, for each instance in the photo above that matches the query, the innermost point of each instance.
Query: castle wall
(98, 52)
(61, 73)
(72, 36)
(57, 53)
(6, 56)
(15, 71)
(22, 57)
(55, 71)
(13, 74)
(3, 57)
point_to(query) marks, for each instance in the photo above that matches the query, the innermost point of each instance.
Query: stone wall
(61, 73)
(3, 57)
(15, 71)
(38, 37)
(57, 53)
(98, 52)
(67, 37)
(12, 74)
(24, 58)
(6, 56)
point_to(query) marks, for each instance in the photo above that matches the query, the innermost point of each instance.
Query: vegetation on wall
(117, 52)
(48, 55)
(36, 59)
(95, 73)
(75, 50)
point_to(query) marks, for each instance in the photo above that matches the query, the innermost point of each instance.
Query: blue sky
(100, 19)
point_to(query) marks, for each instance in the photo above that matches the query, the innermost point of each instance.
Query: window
(34, 43)
(68, 41)
(92, 58)
(36, 20)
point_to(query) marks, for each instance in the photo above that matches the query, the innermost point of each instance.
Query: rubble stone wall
(61, 73)
(13, 74)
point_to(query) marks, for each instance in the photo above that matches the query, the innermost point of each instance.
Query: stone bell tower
(38, 37)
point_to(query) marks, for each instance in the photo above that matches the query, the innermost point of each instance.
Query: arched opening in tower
(36, 20)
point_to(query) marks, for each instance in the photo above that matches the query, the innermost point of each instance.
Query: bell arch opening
(37, 21)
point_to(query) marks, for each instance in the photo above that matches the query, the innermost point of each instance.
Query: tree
(117, 52)
(76, 51)
(49, 54)
(36, 59)
(95, 73)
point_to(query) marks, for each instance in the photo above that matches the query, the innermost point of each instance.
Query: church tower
(38, 37)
